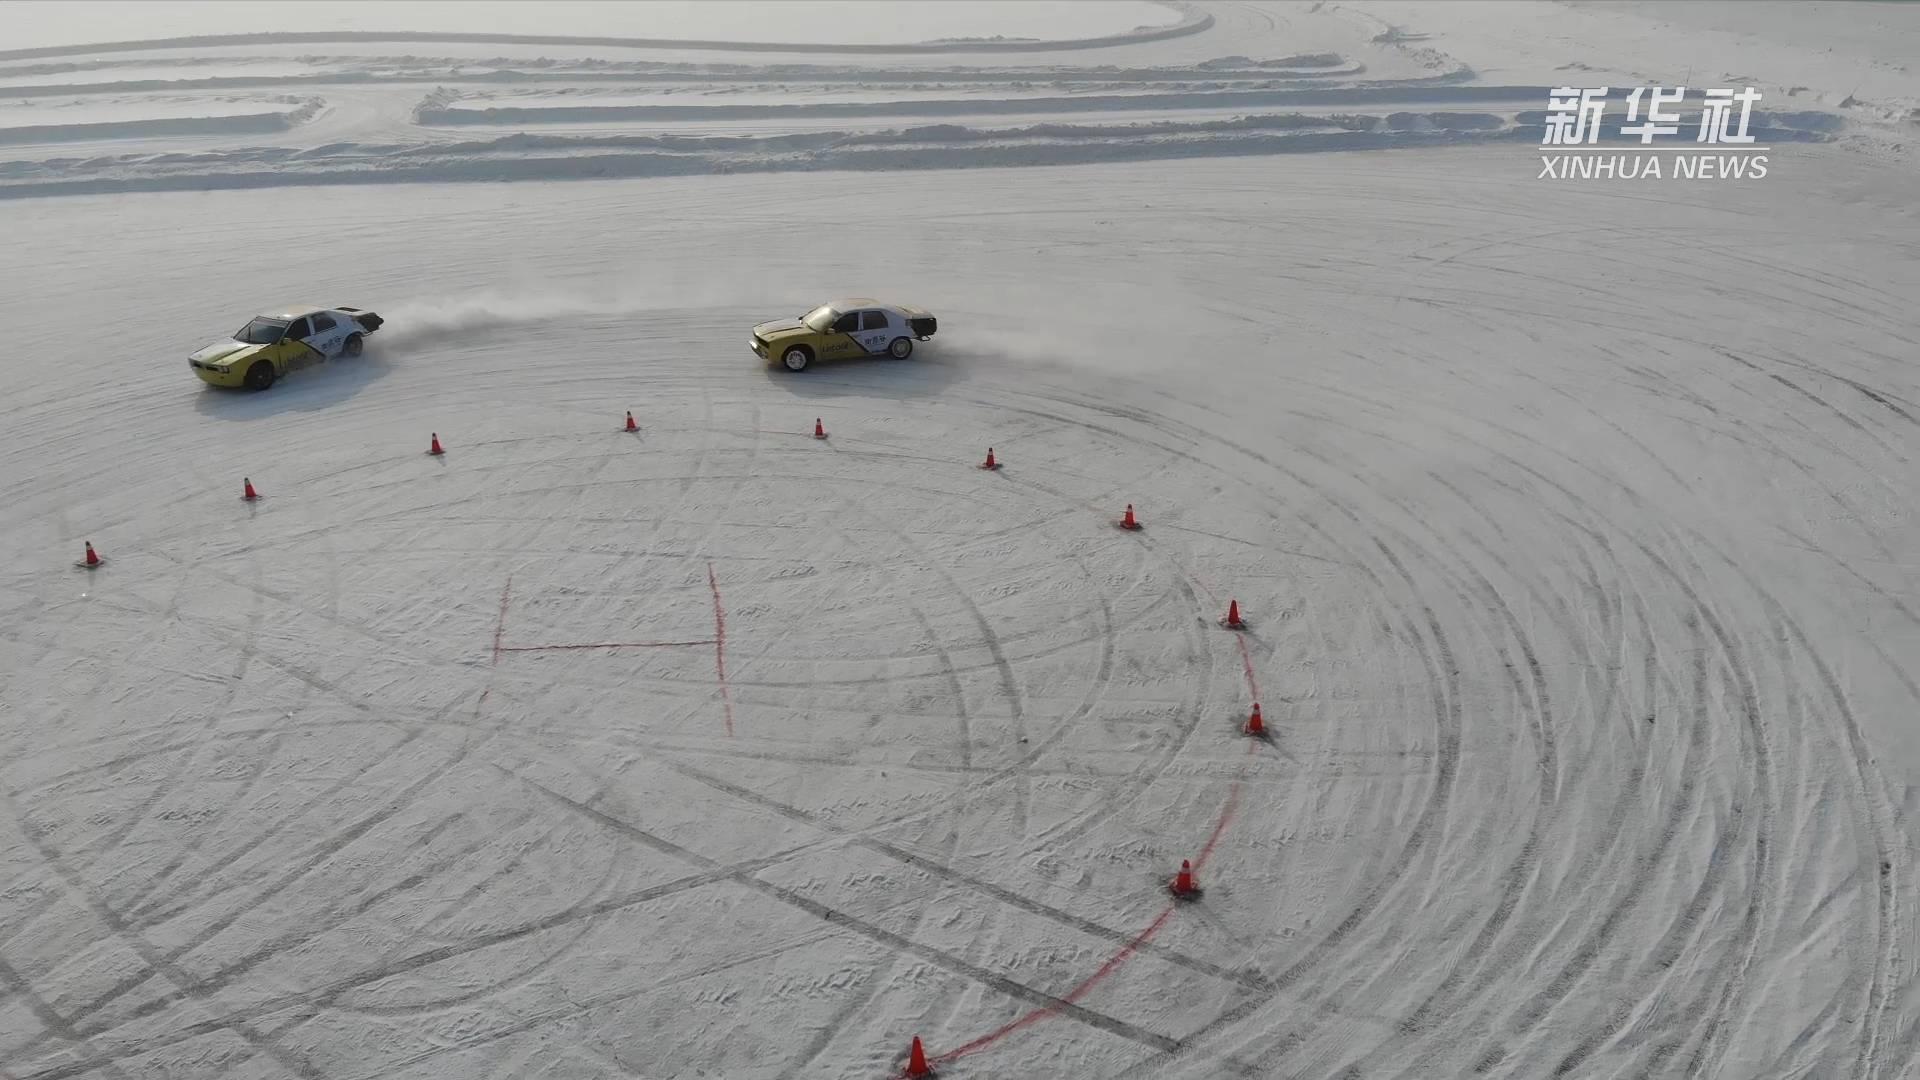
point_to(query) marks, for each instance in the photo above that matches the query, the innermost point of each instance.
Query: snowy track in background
(1244, 82)
(1240, 81)
(1572, 523)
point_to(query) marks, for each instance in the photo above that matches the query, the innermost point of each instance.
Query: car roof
(851, 302)
(291, 313)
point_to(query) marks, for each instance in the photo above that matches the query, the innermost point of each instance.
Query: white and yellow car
(270, 346)
(853, 327)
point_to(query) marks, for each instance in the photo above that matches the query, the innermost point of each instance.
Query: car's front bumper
(760, 349)
(212, 375)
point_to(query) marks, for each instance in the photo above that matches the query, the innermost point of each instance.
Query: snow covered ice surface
(1572, 521)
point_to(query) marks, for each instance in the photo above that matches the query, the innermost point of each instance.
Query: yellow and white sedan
(857, 326)
(270, 346)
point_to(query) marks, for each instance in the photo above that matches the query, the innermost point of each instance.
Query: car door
(295, 352)
(327, 334)
(840, 337)
(875, 331)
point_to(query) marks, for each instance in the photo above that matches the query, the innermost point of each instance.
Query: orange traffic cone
(247, 491)
(917, 1060)
(1232, 621)
(990, 463)
(819, 429)
(631, 426)
(1183, 886)
(435, 448)
(1129, 522)
(1256, 727)
(93, 559)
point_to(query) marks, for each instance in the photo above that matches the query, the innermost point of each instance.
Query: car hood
(780, 327)
(226, 352)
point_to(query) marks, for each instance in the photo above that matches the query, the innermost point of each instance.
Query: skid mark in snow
(720, 649)
(500, 627)
(609, 645)
(1112, 963)
(949, 961)
(1074, 994)
(975, 882)
(57, 1026)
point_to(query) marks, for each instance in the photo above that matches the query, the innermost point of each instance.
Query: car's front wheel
(351, 346)
(797, 358)
(260, 375)
(900, 348)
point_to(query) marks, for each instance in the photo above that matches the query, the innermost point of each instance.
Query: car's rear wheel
(797, 358)
(351, 346)
(900, 348)
(260, 375)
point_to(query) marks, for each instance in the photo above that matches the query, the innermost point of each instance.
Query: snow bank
(526, 157)
(983, 106)
(226, 124)
(809, 26)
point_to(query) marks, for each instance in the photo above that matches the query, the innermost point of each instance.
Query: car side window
(848, 323)
(873, 320)
(323, 323)
(301, 330)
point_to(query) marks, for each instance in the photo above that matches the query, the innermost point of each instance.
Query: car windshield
(820, 319)
(262, 331)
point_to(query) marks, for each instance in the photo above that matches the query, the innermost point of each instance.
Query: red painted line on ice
(1113, 964)
(500, 627)
(720, 647)
(1127, 951)
(605, 645)
(1220, 826)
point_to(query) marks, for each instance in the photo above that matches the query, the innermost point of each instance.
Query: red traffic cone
(631, 426)
(435, 448)
(1129, 522)
(990, 463)
(1256, 727)
(819, 429)
(1183, 886)
(1232, 621)
(917, 1060)
(93, 559)
(247, 491)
